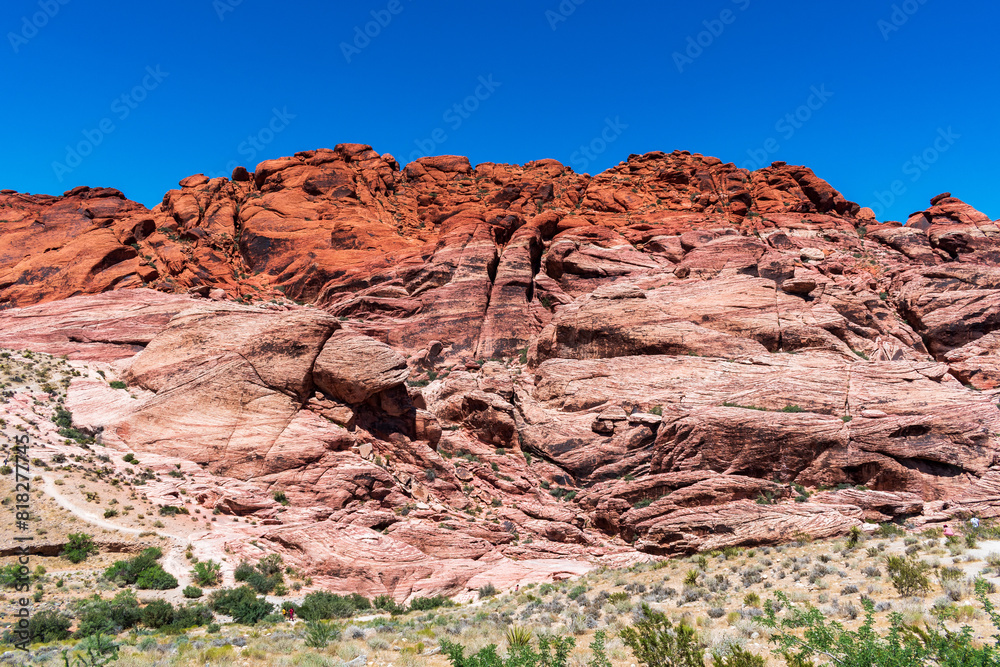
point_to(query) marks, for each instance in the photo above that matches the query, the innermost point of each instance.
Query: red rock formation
(609, 363)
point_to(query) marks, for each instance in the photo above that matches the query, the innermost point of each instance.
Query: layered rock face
(503, 373)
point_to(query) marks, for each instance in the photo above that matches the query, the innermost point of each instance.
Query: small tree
(656, 642)
(78, 547)
(908, 575)
(48, 626)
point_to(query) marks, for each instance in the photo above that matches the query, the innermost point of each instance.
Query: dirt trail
(173, 560)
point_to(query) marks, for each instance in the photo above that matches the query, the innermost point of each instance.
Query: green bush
(64, 420)
(207, 573)
(11, 575)
(157, 613)
(901, 646)
(599, 656)
(426, 604)
(192, 592)
(890, 530)
(78, 547)
(93, 651)
(552, 652)
(487, 590)
(129, 570)
(322, 605)
(172, 510)
(656, 642)
(190, 616)
(48, 626)
(240, 603)
(118, 384)
(320, 633)
(387, 603)
(909, 576)
(738, 657)
(97, 616)
(142, 571)
(263, 578)
(156, 579)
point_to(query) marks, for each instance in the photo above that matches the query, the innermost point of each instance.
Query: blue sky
(875, 96)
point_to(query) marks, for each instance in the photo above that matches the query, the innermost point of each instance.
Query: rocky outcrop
(463, 374)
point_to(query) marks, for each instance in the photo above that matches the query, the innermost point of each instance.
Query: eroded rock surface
(463, 374)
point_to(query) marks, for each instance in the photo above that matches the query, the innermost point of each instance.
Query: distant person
(948, 532)
(975, 522)
(291, 613)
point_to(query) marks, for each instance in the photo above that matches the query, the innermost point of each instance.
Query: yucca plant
(518, 637)
(319, 634)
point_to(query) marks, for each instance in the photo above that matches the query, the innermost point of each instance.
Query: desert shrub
(157, 613)
(804, 635)
(207, 573)
(908, 575)
(320, 633)
(487, 591)
(189, 616)
(265, 577)
(517, 637)
(426, 604)
(48, 626)
(156, 579)
(656, 642)
(240, 603)
(93, 651)
(890, 530)
(738, 657)
(387, 603)
(552, 652)
(78, 547)
(599, 656)
(128, 571)
(325, 605)
(118, 384)
(12, 574)
(192, 592)
(96, 616)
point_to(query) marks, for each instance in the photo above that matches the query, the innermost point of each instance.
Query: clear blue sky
(224, 68)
